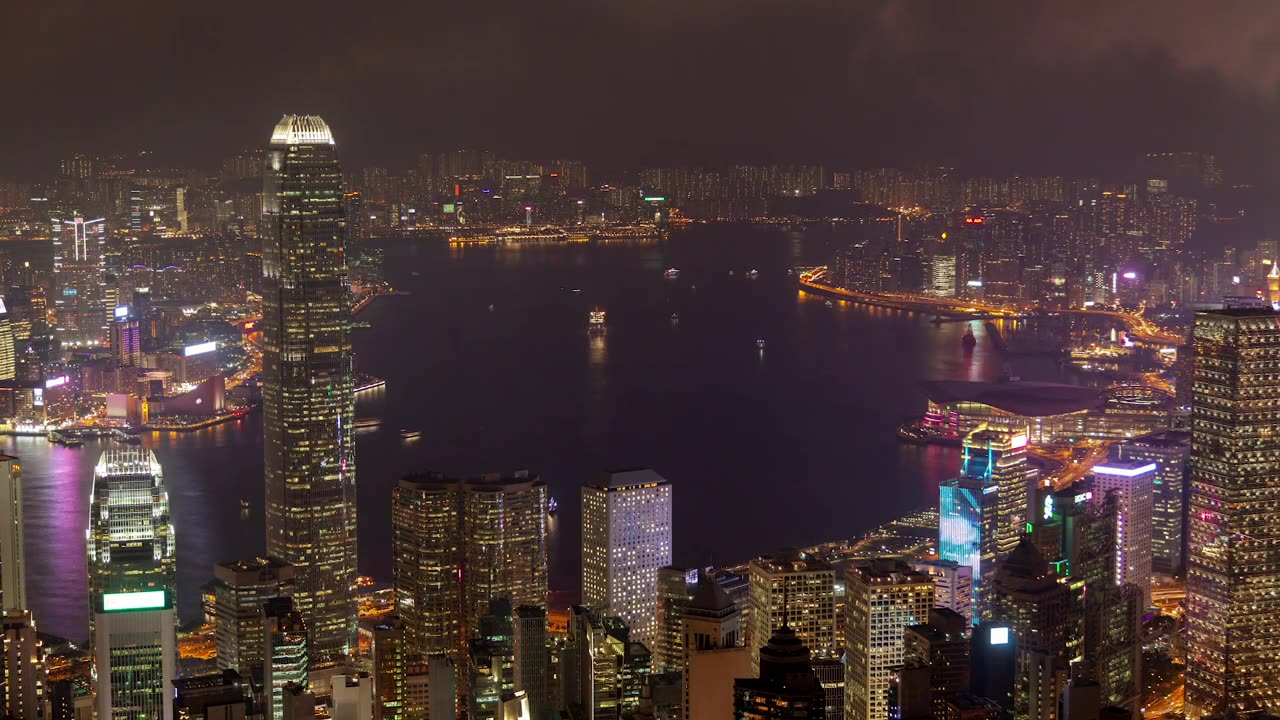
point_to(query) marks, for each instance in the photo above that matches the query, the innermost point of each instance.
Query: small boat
(671, 273)
(244, 504)
(576, 290)
(128, 438)
(595, 322)
(410, 434)
(830, 304)
(752, 274)
(490, 307)
(760, 343)
(969, 341)
(369, 422)
(730, 273)
(73, 442)
(675, 317)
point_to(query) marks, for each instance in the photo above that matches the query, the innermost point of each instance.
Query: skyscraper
(13, 583)
(884, 597)
(1233, 589)
(968, 522)
(388, 669)
(626, 538)
(25, 689)
(531, 658)
(131, 539)
(952, 585)
(241, 590)
(79, 276)
(135, 654)
(308, 396)
(787, 687)
(796, 591)
(712, 624)
(999, 457)
(460, 543)
(1133, 486)
(285, 655)
(8, 354)
(1169, 450)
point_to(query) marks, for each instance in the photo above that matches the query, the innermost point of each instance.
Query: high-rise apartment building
(308, 395)
(793, 590)
(1169, 450)
(626, 538)
(458, 544)
(952, 585)
(131, 539)
(135, 654)
(25, 690)
(1233, 589)
(1133, 486)
(79, 279)
(883, 598)
(241, 590)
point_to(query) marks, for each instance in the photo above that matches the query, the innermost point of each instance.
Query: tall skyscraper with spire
(308, 394)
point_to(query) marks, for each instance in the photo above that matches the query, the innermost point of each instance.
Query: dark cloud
(1020, 85)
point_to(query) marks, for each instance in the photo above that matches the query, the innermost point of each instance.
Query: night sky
(1017, 86)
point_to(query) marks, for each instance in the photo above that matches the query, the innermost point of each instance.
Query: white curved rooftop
(302, 130)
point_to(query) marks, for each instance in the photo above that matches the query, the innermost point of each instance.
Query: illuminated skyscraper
(884, 597)
(308, 398)
(13, 583)
(1233, 587)
(79, 276)
(952, 585)
(786, 688)
(131, 541)
(284, 651)
(626, 538)
(241, 591)
(790, 589)
(999, 457)
(8, 355)
(25, 689)
(388, 649)
(968, 513)
(458, 544)
(1169, 450)
(1132, 484)
(135, 654)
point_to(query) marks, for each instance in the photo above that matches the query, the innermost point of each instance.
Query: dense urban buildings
(626, 539)
(883, 598)
(241, 590)
(308, 383)
(793, 590)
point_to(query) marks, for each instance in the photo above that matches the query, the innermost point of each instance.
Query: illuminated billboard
(54, 382)
(147, 600)
(122, 311)
(199, 349)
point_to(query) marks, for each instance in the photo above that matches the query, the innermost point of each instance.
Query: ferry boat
(671, 273)
(244, 504)
(595, 322)
(519, 234)
(369, 422)
(410, 434)
(760, 343)
(552, 506)
(752, 274)
(128, 438)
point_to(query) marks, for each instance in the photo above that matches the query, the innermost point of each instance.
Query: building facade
(1170, 451)
(793, 590)
(241, 590)
(308, 395)
(1133, 486)
(884, 597)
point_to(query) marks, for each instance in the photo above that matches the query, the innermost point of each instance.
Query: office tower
(942, 646)
(942, 276)
(993, 663)
(1169, 450)
(131, 540)
(626, 538)
(790, 589)
(388, 669)
(135, 653)
(285, 655)
(297, 703)
(79, 276)
(968, 527)
(8, 354)
(599, 665)
(126, 339)
(217, 696)
(241, 590)
(952, 584)
(13, 582)
(417, 690)
(1044, 618)
(1233, 589)
(308, 396)
(25, 690)
(830, 672)
(1112, 653)
(713, 655)
(351, 697)
(1133, 485)
(883, 597)
(443, 688)
(675, 590)
(1079, 527)
(460, 543)
(786, 688)
(531, 658)
(999, 458)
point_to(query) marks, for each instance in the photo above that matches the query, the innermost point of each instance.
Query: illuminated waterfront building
(8, 354)
(952, 584)
(968, 520)
(241, 590)
(131, 539)
(786, 687)
(1132, 485)
(1233, 588)
(13, 583)
(793, 590)
(79, 278)
(308, 396)
(626, 538)
(1170, 451)
(135, 654)
(942, 276)
(884, 597)
(460, 543)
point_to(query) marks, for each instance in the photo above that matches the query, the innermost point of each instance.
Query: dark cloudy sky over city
(1011, 86)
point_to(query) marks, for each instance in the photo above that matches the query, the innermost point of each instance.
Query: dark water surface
(789, 446)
